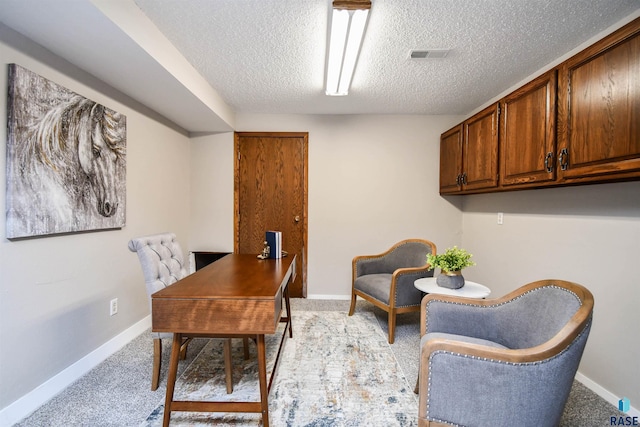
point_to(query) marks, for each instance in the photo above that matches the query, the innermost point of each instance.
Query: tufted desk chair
(163, 264)
(386, 279)
(509, 361)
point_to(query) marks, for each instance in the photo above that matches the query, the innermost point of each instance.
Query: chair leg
(245, 342)
(183, 348)
(353, 303)
(228, 367)
(392, 325)
(157, 361)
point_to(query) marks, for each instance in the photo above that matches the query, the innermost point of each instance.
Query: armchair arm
(457, 387)
(402, 285)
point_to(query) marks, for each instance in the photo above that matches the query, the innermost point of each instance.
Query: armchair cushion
(376, 285)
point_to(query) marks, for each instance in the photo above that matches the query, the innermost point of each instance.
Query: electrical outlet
(113, 307)
(500, 218)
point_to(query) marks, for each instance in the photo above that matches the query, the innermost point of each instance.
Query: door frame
(305, 196)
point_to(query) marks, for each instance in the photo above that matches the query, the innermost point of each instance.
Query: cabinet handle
(563, 159)
(459, 180)
(464, 178)
(548, 162)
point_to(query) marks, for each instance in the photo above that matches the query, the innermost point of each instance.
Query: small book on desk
(274, 240)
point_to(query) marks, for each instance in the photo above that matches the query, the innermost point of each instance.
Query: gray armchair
(386, 280)
(502, 362)
(162, 265)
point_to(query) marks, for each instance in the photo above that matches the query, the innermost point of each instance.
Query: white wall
(373, 180)
(55, 291)
(587, 234)
(212, 188)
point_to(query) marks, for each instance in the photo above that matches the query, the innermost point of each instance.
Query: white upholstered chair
(162, 263)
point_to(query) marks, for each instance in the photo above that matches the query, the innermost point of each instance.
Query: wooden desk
(238, 295)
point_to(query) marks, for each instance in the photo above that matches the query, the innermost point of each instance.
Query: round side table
(469, 290)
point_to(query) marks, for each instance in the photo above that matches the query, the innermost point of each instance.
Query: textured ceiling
(268, 55)
(180, 57)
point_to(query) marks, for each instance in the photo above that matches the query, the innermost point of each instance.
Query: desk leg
(171, 380)
(262, 374)
(287, 303)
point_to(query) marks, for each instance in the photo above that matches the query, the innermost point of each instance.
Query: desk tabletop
(232, 276)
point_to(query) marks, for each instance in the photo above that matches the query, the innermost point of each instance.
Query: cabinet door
(600, 109)
(528, 133)
(480, 150)
(451, 160)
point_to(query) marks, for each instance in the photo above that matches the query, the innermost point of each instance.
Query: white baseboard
(605, 394)
(46, 391)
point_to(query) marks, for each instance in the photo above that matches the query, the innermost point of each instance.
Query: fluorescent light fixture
(348, 22)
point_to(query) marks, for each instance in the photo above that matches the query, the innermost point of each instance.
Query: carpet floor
(336, 371)
(117, 392)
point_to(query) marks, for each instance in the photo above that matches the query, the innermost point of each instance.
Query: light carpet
(335, 371)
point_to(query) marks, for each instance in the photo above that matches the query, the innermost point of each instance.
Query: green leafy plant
(453, 259)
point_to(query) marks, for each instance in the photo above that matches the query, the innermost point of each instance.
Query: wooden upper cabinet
(578, 123)
(599, 110)
(528, 134)
(469, 154)
(451, 161)
(480, 150)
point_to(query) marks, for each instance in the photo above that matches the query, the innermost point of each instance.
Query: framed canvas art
(66, 158)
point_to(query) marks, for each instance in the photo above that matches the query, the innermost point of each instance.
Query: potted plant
(451, 263)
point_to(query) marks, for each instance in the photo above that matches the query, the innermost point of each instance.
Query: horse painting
(65, 160)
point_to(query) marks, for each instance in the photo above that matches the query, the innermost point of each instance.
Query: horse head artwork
(66, 162)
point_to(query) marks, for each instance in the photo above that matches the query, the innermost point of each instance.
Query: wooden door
(599, 100)
(528, 133)
(451, 160)
(271, 194)
(480, 151)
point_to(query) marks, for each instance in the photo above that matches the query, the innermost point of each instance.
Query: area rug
(335, 371)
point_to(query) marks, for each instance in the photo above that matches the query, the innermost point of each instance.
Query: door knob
(297, 218)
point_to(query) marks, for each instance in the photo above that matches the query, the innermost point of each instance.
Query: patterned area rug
(336, 371)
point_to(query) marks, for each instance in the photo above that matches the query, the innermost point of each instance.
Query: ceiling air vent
(429, 54)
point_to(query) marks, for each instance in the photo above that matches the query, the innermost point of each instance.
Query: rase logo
(624, 405)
